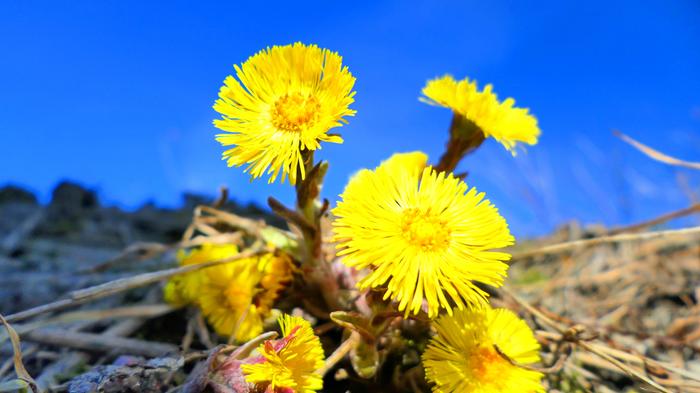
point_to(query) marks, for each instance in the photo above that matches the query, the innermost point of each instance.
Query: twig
(695, 208)
(124, 284)
(622, 237)
(239, 352)
(125, 327)
(626, 369)
(642, 361)
(244, 350)
(560, 359)
(138, 251)
(222, 238)
(574, 335)
(100, 342)
(147, 250)
(200, 328)
(290, 215)
(202, 214)
(339, 353)
(188, 338)
(322, 329)
(534, 311)
(151, 310)
(252, 227)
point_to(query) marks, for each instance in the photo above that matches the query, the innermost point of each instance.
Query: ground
(625, 301)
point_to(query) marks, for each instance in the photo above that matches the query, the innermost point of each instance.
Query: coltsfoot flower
(235, 297)
(289, 364)
(184, 289)
(502, 121)
(423, 234)
(284, 101)
(462, 356)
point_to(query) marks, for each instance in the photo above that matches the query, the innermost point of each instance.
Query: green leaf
(357, 322)
(365, 359)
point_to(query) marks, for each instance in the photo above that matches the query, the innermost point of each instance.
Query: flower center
(294, 112)
(425, 230)
(238, 297)
(488, 366)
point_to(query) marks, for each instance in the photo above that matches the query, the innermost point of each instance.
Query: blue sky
(118, 96)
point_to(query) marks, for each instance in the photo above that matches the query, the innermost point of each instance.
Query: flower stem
(308, 205)
(465, 137)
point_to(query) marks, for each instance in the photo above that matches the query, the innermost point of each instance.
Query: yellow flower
(289, 364)
(423, 233)
(499, 120)
(285, 101)
(462, 356)
(237, 297)
(184, 289)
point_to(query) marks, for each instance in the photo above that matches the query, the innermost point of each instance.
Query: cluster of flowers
(414, 232)
(234, 297)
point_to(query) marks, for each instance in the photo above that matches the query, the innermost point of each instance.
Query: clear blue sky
(118, 95)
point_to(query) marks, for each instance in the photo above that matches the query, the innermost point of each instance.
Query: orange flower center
(488, 366)
(425, 230)
(295, 112)
(239, 297)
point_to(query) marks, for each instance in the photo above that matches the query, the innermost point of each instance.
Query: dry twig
(655, 154)
(622, 237)
(124, 284)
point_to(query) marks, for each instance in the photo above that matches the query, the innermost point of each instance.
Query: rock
(70, 206)
(71, 196)
(11, 193)
(128, 374)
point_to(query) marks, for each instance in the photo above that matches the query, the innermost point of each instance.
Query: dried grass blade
(621, 237)
(655, 154)
(20, 370)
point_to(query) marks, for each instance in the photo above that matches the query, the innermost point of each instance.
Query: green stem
(308, 205)
(307, 196)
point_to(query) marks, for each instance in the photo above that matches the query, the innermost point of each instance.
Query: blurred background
(117, 96)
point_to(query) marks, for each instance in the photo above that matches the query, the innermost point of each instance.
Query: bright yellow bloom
(462, 356)
(235, 297)
(184, 289)
(499, 120)
(285, 101)
(424, 234)
(289, 364)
